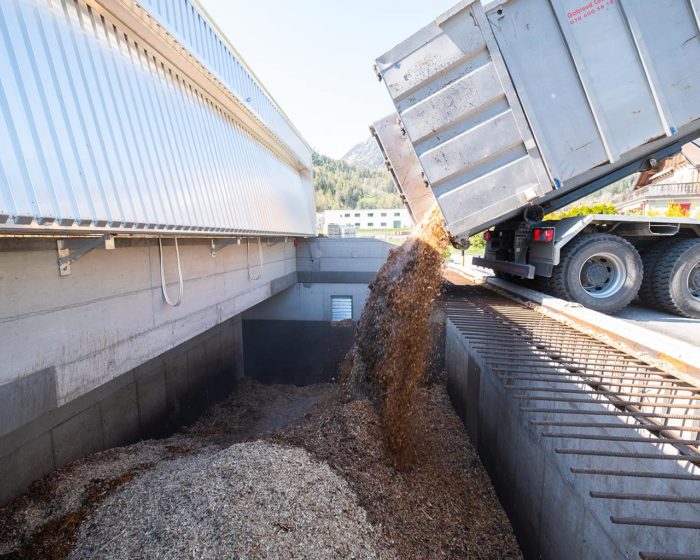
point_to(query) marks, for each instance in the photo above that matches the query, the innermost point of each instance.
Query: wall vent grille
(341, 308)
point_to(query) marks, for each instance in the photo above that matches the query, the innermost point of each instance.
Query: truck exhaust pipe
(533, 214)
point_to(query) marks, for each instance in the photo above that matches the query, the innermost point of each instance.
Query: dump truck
(509, 110)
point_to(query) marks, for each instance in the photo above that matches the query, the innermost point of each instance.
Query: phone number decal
(588, 10)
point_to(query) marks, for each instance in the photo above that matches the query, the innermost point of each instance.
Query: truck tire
(676, 279)
(598, 270)
(649, 259)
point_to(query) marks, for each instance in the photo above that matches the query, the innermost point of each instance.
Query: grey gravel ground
(251, 500)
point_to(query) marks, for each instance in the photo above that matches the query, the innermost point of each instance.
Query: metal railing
(668, 189)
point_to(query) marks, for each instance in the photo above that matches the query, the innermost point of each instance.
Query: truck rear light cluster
(544, 235)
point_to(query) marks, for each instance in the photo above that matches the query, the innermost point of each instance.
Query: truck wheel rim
(694, 281)
(602, 275)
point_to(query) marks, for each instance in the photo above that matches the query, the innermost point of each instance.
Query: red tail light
(487, 235)
(543, 235)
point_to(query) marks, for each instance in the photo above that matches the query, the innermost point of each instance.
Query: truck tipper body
(516, 108)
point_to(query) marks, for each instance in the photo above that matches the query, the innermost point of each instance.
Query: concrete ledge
(678, 357)
(109, 316)
(320, 277)
(278, 285)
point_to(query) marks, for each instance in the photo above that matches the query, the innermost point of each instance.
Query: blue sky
(316, 57)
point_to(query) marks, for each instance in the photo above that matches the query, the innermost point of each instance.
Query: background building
(373, 218)
(675, 180)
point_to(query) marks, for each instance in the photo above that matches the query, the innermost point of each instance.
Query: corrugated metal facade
(109, 122)
(184, 20)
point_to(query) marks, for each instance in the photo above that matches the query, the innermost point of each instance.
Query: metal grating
(591, 400)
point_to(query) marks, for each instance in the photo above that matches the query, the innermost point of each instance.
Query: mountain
(341, 185)
(365, 154)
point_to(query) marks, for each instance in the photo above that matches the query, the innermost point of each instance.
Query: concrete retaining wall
(550, 507)
(300, 318)
(65, 336)
(304, 352)
(88, 350)
(151, 400)
(340, 261)
(309, 302)
(290, 338)
(98, 359)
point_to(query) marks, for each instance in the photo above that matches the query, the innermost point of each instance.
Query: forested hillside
(611, 192)
(341, 185)
(360, 180)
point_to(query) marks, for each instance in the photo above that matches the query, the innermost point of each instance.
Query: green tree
(583, 210)
(341, 185)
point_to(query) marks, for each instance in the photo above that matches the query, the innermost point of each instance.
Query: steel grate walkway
(594, 402)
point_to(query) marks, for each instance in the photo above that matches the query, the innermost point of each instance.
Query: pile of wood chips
(444, 507)
(296, 441)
